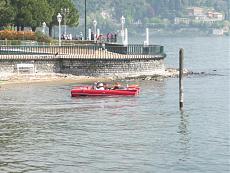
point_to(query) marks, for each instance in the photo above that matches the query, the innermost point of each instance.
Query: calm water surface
(43, 129)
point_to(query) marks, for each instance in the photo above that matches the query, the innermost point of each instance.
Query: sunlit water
(43, 129)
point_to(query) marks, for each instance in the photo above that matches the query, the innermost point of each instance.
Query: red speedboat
(132, 90)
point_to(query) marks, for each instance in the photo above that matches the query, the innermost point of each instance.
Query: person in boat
(94, 86)
(100, 86)
(117, 86)
(107, 86)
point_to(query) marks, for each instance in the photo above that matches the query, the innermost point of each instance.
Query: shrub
(40, 37)
(24, 35)
(17, 35)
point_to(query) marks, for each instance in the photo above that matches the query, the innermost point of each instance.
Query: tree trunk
(33, 28)
(50, 30)
(22, 28)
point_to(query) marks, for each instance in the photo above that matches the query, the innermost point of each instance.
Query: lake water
(43, 129)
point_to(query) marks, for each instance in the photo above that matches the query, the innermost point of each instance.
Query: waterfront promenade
(92, 60)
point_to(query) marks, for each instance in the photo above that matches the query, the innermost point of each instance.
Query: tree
(72, 18)
(31, 13)
(7, 14)
(224, 7)
(41, 12)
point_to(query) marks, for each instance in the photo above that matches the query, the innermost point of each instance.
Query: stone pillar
(146, 43)
(89, 34)
(98, 32)
(126, 41)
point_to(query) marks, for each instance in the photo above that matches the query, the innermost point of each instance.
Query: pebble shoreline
(6, 79)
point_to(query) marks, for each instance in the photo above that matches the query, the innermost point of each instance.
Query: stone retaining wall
(41, 66)
(120, 68)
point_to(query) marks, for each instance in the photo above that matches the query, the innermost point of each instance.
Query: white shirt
(100, 88)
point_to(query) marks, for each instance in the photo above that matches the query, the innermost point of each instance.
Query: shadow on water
(204, 74)
(105, 102)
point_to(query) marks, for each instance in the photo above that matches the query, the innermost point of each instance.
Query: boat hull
(88, 91)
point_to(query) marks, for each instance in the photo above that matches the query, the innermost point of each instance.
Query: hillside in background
(144, 12)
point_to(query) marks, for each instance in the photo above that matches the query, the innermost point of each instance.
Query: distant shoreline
(177, 33)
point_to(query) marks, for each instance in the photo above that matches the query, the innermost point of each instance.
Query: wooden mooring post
(181, 69)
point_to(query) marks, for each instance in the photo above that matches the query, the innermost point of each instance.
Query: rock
(148, 78)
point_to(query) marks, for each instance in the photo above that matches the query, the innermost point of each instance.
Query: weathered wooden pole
(181, 69)
(85, 21)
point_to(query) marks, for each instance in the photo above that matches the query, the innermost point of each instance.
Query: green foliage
(135, 10)
(40, 37)
(72, 18)
(7, 13)
(156, 20)
(32, 13)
